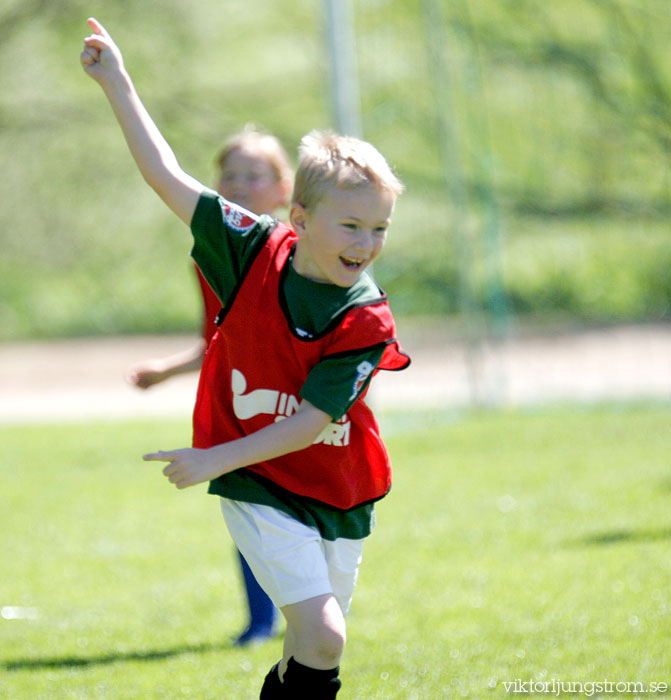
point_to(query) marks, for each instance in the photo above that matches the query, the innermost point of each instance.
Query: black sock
(305, 683)
(272, 689)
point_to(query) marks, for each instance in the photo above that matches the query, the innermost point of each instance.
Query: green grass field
(523, 545)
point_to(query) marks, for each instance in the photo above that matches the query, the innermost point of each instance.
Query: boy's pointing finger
(159, 456)
(97, 27)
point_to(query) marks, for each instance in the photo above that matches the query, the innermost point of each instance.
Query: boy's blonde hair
(326, 159)
(266, 144)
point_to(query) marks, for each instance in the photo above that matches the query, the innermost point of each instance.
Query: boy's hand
(101, 57)
(188, 466)
(191, 465)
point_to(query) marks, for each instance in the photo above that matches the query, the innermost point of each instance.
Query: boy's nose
(364, 242)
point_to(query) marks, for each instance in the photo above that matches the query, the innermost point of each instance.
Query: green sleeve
(335, 383)
(222, 252)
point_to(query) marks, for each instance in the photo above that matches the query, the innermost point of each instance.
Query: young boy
(254, 172)
(280, 427)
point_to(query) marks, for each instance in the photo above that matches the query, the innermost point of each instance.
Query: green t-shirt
(224, 251)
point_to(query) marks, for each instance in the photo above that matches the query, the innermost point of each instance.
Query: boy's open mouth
(352, 263)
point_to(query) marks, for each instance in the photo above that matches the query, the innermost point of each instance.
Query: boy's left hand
(188, 466)
(101, 58)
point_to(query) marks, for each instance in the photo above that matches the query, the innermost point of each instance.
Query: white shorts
(290, 560)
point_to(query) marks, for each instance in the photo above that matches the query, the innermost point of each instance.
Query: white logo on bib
(248, 404)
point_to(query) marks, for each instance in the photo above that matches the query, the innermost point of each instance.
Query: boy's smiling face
(342, 234)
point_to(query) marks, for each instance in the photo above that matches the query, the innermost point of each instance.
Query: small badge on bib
(239, 219)
(363, 372)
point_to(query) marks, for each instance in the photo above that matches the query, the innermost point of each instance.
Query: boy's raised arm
(102, 60)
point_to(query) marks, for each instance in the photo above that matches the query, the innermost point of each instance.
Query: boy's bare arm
(190, 466)
(102, 60)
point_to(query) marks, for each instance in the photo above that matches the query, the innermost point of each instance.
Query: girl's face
(248, 179)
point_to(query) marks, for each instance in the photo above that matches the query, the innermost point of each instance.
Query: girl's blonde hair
(326, 159)
(268, 145)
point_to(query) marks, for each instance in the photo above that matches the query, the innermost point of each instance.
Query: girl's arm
(151, 372)
(102, 60)
(190, 466)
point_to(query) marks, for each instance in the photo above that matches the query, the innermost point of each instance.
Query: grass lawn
(530, 546)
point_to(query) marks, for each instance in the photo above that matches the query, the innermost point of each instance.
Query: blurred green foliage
(533, 139)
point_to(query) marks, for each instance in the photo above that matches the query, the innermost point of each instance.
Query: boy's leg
(313, 645)
(311, 581)
(288, 650)
(316, 633)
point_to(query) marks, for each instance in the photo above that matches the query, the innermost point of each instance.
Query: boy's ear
(298, 218)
